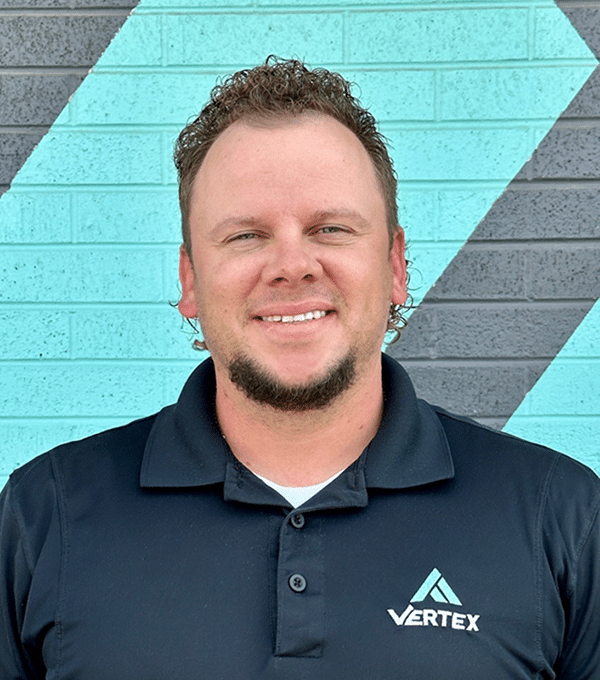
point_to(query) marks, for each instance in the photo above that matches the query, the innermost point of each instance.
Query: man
(298, 513)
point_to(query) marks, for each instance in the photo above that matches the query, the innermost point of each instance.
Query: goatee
(262, 387)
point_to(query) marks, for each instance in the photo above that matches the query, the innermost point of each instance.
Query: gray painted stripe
(527, 276)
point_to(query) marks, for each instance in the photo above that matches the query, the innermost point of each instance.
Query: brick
(179, 372)
(128, 217)
(334, 3)
(587, 102)
(427, 262)
(11, 218)
(64, 157)
(396, 95)
(494, 423)
(68, 4)
(138, 43)
(60, 40)
(418, 208)
(483, 274)
(230, 4)
(168, 167)
(446, 35)
(34, 99)
(462, 331)
(14, 151)
(81, 389)
(577, 436)
(461, 209)
(509, 94)
(34, 334)
(75, 275)
(172, 288)
(555, 37)
(131, 333)
(35, 218)
(458, 154)
(551, 213)
(193, 39)
(586, 20)
(569, 387)
(568, 153)
(565, 273)
(584, 342)
(130, 98)
(475, 391)
(420, 337)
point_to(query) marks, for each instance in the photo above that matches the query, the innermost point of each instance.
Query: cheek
(227, 284)
(373, 276)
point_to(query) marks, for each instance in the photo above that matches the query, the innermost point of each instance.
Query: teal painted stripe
(554, 412)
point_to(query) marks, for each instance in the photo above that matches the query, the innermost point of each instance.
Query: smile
(297, 318)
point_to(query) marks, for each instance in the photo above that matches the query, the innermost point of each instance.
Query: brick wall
(466, 92)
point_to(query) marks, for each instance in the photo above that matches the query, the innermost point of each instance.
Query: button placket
(300, 588)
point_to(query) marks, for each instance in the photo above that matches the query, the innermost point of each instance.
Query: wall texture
(495, 138)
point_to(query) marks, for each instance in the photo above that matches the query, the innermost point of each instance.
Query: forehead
(312, 150)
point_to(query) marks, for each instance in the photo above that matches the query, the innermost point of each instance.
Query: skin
(285, 219)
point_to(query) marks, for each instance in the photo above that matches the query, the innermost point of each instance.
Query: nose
(292, 260)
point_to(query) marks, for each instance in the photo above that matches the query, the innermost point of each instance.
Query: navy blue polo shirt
(447, 550)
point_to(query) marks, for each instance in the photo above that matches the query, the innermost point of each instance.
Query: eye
(244, 236)
(332, 233)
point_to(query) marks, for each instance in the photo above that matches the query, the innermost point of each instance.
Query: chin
(263, 387)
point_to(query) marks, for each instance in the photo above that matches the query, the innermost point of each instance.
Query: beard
(262, 387)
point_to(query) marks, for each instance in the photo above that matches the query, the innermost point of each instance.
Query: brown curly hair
(275, 90)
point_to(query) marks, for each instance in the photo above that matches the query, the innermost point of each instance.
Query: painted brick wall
(466, 91)
(47, 48)
(521, 286)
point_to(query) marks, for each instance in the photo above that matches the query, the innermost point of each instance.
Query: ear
(398, 259)
(187, 303)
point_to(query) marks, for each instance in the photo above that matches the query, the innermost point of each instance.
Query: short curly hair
(280, 89)
(273, 91)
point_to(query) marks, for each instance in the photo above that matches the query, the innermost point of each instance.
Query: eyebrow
(233, 222)
(333, 213)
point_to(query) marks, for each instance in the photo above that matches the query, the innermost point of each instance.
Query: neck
(301, 448)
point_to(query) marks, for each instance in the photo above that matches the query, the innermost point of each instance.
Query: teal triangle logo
(436, 586)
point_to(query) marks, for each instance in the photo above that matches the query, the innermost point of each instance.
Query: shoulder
(89, 470)
(471, 441)
(84, 459)
(560, 494)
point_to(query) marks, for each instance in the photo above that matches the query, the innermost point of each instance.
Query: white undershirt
(297, 495)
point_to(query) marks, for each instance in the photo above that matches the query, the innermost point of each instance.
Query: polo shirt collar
(185, 447)
(410, 447)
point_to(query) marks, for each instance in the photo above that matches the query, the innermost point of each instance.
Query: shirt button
(297, 583)
(297, 520)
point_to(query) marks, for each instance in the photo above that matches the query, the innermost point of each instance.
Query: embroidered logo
(435, 587)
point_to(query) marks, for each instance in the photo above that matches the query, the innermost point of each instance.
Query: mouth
(296, 318)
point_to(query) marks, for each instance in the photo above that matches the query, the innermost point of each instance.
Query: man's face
(290, 265)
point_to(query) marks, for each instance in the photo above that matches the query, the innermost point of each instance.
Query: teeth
(297, 318)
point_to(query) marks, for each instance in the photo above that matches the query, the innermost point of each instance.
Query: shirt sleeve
(580, 659)
(15, 581)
